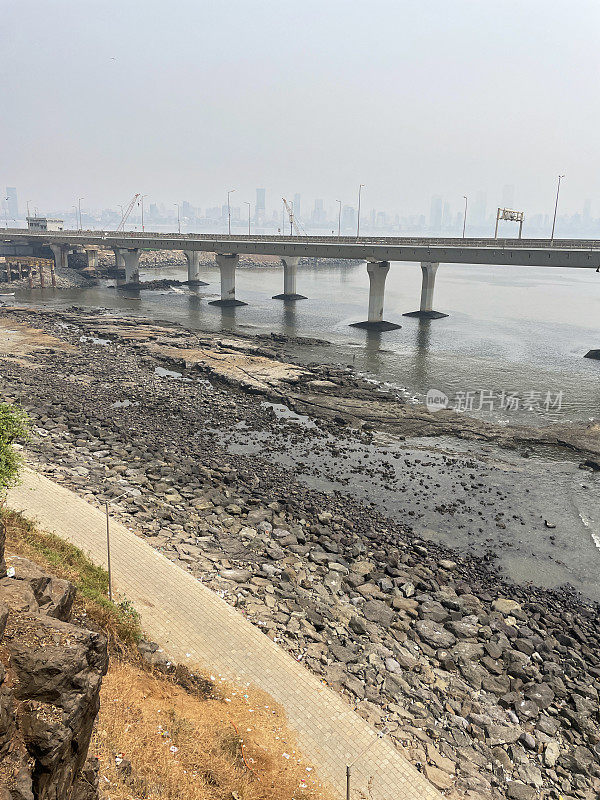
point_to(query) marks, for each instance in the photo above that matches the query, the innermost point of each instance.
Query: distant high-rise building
(435, 214)
(349, 219)
(319, 217)
(446, 216)
(12, 205)
(508, 196)
(297, 206)
(259, 209)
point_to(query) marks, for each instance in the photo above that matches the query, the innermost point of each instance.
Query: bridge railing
(111, 237)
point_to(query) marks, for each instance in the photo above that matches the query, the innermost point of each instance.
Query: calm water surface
(511, 329)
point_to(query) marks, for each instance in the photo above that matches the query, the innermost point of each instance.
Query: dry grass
(156, 740)
(233, 744)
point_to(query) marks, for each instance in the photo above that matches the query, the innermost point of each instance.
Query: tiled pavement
(185, 617)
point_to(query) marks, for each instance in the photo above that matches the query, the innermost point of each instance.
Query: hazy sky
(188, 98)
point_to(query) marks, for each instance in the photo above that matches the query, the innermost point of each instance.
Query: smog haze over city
(183, 101)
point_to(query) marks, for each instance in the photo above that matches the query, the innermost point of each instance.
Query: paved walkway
(185, 617)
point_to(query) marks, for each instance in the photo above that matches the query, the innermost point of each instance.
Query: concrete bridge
(378, 252)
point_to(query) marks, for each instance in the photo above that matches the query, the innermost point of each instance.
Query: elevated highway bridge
(378, 252)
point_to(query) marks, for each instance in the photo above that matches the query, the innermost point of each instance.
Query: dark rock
(376, 611)
(434, 634)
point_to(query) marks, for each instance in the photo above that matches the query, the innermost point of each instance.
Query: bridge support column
(130, 259)
(429, 269)
(227, 262)
(193, 259)
(290, 268)
(61, 255)
(92, 257)
(378, 271)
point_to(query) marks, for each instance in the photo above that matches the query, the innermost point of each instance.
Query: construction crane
(293, 224)
(128, 210)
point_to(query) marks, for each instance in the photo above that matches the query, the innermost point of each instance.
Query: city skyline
(147, 106)
(315, 215)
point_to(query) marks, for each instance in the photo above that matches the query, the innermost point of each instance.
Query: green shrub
(14, 424)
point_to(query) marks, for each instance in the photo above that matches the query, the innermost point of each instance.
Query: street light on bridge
(360, 188)
(560, 177)
(229, 193)
(339, 218)
(248, 204)
(465, 215)
(178, 218)
(79, 206)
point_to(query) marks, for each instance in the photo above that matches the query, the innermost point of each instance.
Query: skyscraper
(12, 204)
(259, 210)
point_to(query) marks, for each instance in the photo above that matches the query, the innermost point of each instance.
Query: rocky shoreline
(490, 687)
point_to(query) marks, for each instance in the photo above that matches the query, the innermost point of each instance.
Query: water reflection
(422, 345)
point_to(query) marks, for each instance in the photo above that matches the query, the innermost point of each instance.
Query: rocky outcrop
(50, 677)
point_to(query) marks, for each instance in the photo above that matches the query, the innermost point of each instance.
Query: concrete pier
(429, 269)
(290, 267)
(193, 260)
(61, 255)
(130, 259)
(92, 257)
(227, 263)
(378, 271)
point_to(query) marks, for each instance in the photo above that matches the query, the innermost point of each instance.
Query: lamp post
(560, 177)
(28, 201)
(79, 206)
(6, 199)
(229, 193)
(339, 217)
(178, 218)
(465, 215)
(142, 205)
(248, 204)
(76, 222)
(360, 188)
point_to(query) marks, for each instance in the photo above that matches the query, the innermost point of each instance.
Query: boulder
(54, 596)
(57, 670)
(434, 634)
(376, 611)
(505, 606)
(18, 596)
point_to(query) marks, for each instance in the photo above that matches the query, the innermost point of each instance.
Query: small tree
(14, 424)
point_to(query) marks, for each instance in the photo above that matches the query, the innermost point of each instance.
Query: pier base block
(227, 303)
(289, 297)
(595, 354)
(382, 325)
(196, 283)
(425, 314)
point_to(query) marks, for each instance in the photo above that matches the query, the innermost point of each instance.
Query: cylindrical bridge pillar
(193, 260)
(429, 270)
(290, 268)
(377, 271)
(227, 263)
(130, 259)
